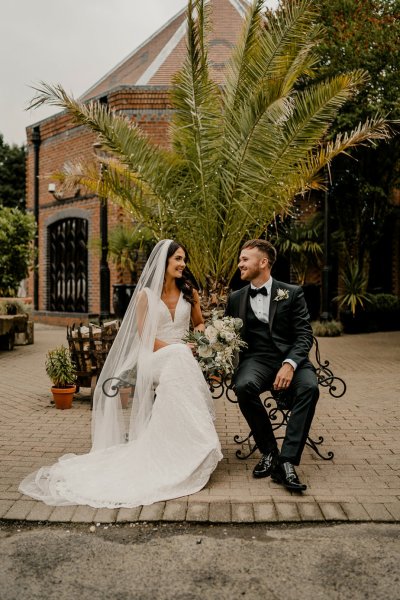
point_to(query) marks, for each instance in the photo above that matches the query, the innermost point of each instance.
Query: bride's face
(176, 264)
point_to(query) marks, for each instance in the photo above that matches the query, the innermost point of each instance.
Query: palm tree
(240, 153)
(300, 242)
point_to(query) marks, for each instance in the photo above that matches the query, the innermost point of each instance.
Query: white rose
(204, 351)
(229, 336)
(238, 323)
(211, 333)
(218, 324)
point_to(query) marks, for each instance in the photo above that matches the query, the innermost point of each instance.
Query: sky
(72, 42)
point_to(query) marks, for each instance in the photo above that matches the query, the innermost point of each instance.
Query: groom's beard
(249, 274)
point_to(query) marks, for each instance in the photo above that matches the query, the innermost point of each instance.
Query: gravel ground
(183, 561)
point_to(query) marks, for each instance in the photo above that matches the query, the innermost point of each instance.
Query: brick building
(66, 286)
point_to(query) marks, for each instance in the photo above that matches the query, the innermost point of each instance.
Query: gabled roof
(156, 60)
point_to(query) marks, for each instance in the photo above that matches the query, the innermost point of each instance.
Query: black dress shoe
(285, 473)
(267, 462)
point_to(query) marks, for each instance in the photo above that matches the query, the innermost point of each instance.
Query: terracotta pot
(125, 393)
(63, 396)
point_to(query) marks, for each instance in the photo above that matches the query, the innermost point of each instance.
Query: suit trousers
(254, 377)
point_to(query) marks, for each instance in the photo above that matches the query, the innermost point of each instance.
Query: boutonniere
(281, 295)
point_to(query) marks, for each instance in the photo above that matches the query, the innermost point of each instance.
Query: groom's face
(252, 264)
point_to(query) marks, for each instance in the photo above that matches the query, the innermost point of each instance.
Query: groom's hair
(263, 246)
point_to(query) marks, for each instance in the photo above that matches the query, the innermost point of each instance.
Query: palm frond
(239, 154)
(196, 129)
(372, 131)
(117, 135)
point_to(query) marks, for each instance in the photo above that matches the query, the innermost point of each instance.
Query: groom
(277, 330)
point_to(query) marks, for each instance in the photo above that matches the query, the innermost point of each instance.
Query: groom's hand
(283, 377)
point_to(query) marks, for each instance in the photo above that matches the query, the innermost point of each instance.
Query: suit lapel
(272, 303)
(243, 304)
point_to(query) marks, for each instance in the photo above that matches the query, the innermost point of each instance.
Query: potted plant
(125, 245)
(62, 373)
(353, 299)
(125, 394)
(128, 246)
(300, 243)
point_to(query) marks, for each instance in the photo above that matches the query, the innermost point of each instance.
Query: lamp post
(326, 314)
(104, 268)
(36, 148)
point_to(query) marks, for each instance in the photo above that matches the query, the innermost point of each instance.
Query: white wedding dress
(175, 454)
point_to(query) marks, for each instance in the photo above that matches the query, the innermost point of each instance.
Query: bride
(165, 444)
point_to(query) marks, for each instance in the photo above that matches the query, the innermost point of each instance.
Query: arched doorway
(68, 265)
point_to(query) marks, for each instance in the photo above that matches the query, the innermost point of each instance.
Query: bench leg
(243, 454)
(252, 447)
(313, 444)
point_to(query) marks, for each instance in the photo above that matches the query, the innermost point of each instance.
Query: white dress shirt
(260, 306)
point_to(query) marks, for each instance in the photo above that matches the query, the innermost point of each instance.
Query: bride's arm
(142, 308)
(196, 316)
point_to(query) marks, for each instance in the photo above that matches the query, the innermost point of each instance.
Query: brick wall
(61, 142)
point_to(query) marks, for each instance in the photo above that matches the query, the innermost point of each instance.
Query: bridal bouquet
(215, 348)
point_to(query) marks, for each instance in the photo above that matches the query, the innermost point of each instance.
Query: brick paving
(361, 483)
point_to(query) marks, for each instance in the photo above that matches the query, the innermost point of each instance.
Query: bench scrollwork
(278, 404)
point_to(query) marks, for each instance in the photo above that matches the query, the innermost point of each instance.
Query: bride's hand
(192, 347)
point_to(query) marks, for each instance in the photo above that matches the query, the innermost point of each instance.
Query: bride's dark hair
(183, 283)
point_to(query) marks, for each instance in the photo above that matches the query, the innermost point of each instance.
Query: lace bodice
(173, 330)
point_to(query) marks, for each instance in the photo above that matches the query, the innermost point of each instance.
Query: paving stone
(105, 515)
(264, 512)
(62, 514)
(84, 514)
(175, 511)
(359, 484)
(310, 511)
(40, 512)
(198, 511)
(152, 512)
(378, 512)
(220, 512)
(11, 495)
(242, 513)
(355, 511)
(5, 506)
(333, 511)
(394, 509)
(287, 511)
(128, 515)
(19, 510)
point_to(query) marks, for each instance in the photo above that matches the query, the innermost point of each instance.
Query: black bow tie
(254, 291)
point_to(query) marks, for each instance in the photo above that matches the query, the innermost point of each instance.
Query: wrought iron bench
(278, 404)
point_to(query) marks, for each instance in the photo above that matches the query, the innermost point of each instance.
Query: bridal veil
(130, 359)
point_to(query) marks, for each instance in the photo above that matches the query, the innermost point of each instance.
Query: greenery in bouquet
(215, 348)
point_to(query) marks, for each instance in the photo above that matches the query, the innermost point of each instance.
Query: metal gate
(68, 265)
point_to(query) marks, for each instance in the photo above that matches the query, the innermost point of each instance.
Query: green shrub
(17, 232)
(327, 328)
(384, 302)
(14, 307)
